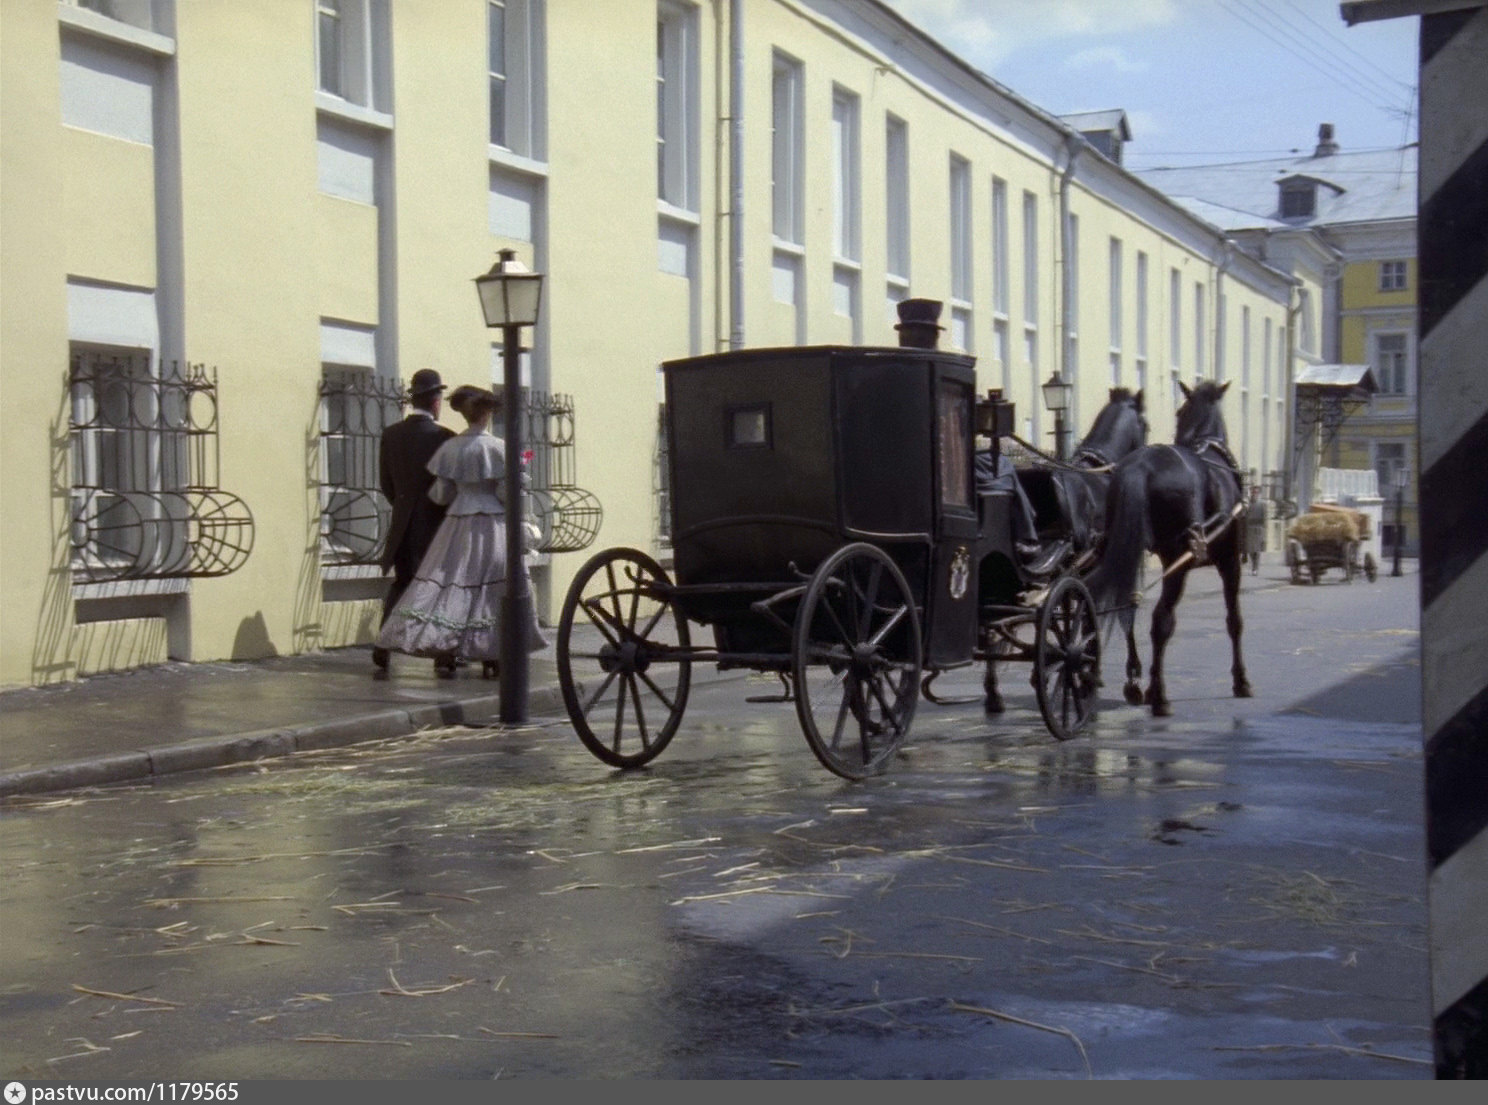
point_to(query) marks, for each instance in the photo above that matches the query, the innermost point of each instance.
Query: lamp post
(1056, 397)
(1401, 476)
(510, 294)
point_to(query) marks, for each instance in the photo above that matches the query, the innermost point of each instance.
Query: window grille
(355, 406)
(145, 498)
(567, 516)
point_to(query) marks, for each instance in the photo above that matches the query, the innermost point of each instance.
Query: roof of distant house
(1363, 186)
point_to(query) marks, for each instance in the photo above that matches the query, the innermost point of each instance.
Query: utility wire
(1366, 93)
(1338, 41)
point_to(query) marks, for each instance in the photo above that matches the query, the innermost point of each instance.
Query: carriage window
(749, 427)
(953, 416)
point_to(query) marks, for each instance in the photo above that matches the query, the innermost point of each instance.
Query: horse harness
(1200, 534)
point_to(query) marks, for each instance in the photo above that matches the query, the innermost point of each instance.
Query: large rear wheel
(857, 660)
(623, 657)
(1066, 658)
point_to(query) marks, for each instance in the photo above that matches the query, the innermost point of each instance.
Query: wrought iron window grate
(146, 500)
(355, 406)
(567, 516)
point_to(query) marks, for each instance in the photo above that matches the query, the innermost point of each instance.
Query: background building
(1348, 219)
(222, 261)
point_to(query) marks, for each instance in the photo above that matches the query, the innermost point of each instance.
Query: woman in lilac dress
(453, 605)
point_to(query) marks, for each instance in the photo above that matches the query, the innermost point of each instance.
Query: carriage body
(779, 457)
(826, 526)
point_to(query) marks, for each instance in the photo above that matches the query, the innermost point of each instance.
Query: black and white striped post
(1452, 250)
(1452, 327)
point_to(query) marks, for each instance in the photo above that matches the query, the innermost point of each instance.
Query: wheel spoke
(619, 719)
(640, 713)
(597, 695)
(600, 618)
(657, 691)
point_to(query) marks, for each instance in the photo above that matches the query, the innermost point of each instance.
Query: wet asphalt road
(1235, 892)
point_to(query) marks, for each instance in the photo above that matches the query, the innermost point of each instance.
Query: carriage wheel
(1371, 569)
(857, 661)
(1066, 658)
(623, 664)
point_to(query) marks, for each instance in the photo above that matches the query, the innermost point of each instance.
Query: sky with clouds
(1201, 81)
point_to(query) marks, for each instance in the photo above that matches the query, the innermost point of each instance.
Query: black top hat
(424, 381)
(920, 312)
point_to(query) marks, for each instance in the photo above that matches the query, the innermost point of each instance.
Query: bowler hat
(919, 312)
(424, 381)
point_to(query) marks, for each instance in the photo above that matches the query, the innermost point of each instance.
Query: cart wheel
(857, 661)
(1066, 658)
(1350, 561)
(1371, 569)
(623, 663)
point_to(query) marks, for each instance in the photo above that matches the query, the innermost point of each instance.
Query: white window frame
(787, 177)
(1030, 261)
(1142, 320)
(1402, 371)
(1175, 320)
(1001, 294)
(1116, 306)
(896, 196)
(846, 176)
(357, 31)
(677, 105)
(962, 283)
(516, 124)
(1394, 276)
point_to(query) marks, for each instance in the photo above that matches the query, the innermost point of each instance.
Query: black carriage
(826, 527)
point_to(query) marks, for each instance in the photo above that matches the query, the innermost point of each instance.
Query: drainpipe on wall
(1073, 144)
(736, 175)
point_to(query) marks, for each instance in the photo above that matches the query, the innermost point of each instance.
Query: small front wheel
(857, 661)
(624, 662)
(1066, 658)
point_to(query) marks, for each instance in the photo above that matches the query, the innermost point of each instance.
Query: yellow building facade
(221, 261)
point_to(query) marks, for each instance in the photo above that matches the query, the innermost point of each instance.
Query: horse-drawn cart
(1329, 537)
(827, 528)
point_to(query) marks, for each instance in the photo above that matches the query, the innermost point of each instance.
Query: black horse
(1118, 430)
(1179, 501)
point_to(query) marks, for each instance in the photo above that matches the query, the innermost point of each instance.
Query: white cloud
(1111, 58)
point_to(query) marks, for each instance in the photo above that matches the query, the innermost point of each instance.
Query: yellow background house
(232, 229)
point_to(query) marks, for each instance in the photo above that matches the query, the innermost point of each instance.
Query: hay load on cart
(1329, 537)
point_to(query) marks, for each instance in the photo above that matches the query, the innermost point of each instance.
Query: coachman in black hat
(403, 461)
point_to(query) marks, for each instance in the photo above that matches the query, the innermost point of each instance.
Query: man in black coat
(403, 461)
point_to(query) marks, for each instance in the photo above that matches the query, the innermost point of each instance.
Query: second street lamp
(1056, 391)
(510, 295)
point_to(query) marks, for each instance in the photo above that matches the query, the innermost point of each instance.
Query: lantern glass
(1056, 392)
(510, 294)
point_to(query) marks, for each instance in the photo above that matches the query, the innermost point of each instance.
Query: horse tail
(1128, 536)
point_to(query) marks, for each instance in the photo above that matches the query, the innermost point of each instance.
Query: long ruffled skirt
(453, 604)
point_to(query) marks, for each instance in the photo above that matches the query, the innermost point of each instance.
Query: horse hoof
(993, 705)
(1133, 694)
(1162, 709)
(1242, 690)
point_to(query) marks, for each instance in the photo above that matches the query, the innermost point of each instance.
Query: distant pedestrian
(453, 605)
(1255, 529)
(403, 465)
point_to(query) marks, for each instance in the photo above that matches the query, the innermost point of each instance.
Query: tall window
(1221, 335)
(676, 105)
(960, 184)
(1141, 321)
(1033, 426)
(349, 41)
(1175, 334)
(896, 213)
(136, 13)
(785, 151)
(846, 193)
(1072, 339)
(1001, 339)
(1391, 365)
(1199, 331)
(1392, 276)
(514, 64)
(1116, 306)
(1389, 458)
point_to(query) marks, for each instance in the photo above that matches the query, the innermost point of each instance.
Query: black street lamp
(1056, 397)
(510, 295)
(1401, 476)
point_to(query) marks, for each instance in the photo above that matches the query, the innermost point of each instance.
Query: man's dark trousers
(403, 463)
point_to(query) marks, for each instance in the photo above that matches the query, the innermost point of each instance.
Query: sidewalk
(187, 716)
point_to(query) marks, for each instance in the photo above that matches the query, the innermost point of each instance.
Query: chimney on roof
(1326, 145)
